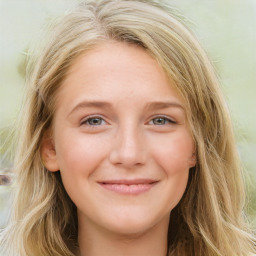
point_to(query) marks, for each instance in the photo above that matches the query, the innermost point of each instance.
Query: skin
(119, 119)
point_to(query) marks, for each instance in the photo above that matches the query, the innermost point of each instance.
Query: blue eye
(161, 121)
(94, 121)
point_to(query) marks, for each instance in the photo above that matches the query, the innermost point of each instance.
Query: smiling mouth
(129, 187)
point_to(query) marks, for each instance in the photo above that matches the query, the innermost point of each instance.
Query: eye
(93, 121)
(161, 120)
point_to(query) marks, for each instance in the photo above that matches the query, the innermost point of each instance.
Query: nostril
(128, 147)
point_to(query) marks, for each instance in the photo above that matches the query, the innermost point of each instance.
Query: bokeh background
(226, 29)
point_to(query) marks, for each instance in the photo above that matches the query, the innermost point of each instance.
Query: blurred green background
(226, 29)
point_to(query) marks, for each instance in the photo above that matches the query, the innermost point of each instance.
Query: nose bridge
(128, 147)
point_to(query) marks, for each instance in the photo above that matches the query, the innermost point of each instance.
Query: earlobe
(48, 153)
(192, 160)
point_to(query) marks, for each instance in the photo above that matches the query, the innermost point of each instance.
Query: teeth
(127, 184)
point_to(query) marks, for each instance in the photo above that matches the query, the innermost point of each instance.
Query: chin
(135, 225)
(130, 231)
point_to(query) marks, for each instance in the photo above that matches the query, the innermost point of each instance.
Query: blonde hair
(209, 220)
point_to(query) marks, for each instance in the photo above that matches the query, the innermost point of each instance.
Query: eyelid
(167, 118)
(95, 116)
(98, 116)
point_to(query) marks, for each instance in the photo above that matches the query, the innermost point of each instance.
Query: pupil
(95, 121)
(159, 121)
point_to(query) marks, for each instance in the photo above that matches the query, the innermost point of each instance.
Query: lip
(128, 187)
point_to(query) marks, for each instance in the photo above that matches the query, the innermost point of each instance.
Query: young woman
(125, 145)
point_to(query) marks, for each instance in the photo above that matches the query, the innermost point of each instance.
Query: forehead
(120, 59)
(111, 58)
(115, 71)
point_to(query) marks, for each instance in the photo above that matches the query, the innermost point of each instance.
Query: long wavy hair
(209, 220)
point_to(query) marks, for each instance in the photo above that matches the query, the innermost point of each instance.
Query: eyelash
(166, 120)
(90, 118)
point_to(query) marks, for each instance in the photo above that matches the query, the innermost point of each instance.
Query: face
(120, 139)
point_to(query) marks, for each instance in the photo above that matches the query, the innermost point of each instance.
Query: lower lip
(125, 189)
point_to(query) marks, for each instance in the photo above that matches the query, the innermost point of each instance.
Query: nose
(128, 149)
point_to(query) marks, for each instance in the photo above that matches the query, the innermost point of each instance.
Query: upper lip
(128, 182)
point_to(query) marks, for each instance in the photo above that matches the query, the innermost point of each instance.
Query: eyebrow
(165, 104)
(150, 105)
(90, 104)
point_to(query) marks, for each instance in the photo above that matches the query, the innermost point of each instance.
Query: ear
(192, 160)
(48, 153)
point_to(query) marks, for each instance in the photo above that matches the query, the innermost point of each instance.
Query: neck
(94, 241)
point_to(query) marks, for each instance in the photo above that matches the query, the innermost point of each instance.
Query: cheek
(174, 154)
(78, 158)
(78, 153)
